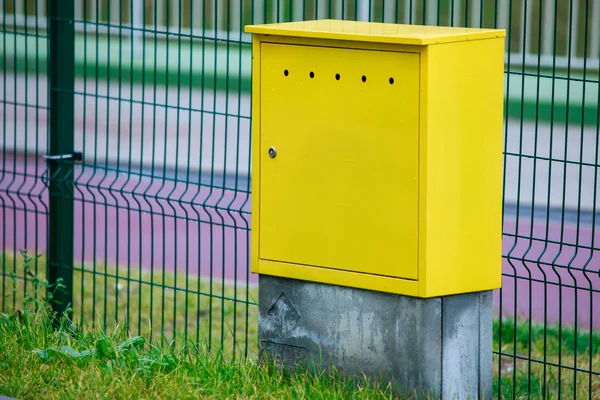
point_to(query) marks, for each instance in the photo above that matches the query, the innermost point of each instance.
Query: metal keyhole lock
(272, 152)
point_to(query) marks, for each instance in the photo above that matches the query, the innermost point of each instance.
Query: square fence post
(61, 150)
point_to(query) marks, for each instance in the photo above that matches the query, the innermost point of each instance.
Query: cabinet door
(342, 188)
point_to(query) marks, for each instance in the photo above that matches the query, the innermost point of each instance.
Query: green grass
(164, 308)
(548, 349)
(129, 310)
(39, 362)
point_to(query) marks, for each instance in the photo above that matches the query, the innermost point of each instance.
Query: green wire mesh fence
(125, 169)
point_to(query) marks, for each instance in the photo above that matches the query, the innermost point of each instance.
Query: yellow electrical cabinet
(377, 155)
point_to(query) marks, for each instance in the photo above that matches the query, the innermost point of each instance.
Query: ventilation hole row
(337, 76)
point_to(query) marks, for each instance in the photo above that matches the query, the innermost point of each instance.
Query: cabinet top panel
(375, 32)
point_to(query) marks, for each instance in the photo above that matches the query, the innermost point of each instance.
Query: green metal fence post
(61, 149)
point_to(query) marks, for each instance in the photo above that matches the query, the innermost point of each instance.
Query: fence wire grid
(125, 169)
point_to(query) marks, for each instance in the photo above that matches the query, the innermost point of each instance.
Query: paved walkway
(137, 125)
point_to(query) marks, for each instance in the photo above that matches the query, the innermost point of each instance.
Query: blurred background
(161, 199)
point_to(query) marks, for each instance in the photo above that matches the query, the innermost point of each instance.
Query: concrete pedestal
(440, 346)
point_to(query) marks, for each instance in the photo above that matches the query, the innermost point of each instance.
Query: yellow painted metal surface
(342, 191)
(394, 187)
(342, 278)
(461, 167)
(255, 144)
(375, 32)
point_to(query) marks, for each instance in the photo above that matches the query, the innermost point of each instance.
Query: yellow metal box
(377, 155)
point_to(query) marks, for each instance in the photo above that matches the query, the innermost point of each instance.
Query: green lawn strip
(547, 99)
(546, 347)
(214, 65)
